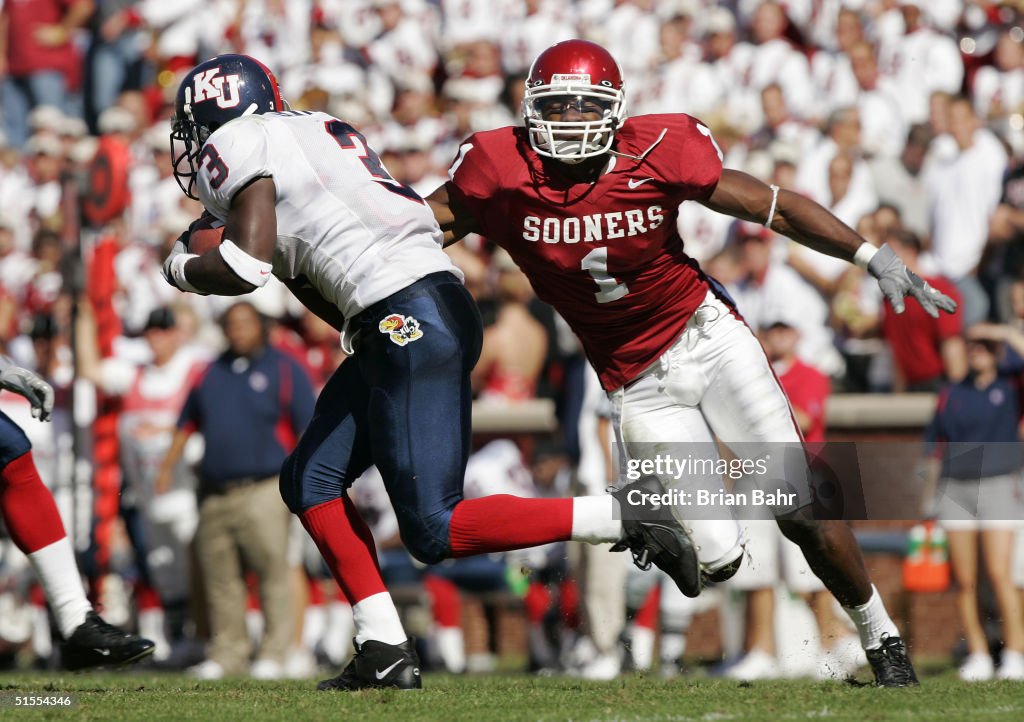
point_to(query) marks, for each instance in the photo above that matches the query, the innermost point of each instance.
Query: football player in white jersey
(304, 198)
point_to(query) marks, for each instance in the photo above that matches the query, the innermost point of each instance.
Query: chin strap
(640, 158)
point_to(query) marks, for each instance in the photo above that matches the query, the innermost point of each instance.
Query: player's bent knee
(806, 533)
(426, 538)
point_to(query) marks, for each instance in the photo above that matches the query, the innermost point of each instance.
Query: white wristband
(864, 255)
(178, 272)
(771, 211)
(249, 269)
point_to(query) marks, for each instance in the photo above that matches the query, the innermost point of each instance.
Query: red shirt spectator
(926, 351)
(39, 36)
(808, 390)
(916, 340)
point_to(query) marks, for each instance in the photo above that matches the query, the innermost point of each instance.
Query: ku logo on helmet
(209, 84)
(401, 329)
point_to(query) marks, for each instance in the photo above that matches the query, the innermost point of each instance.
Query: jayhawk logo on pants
(402, 329)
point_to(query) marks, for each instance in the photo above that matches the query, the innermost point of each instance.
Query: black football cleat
(376, 666)
(95, 643)
(891, 664)
(722, 574)
(654, 536)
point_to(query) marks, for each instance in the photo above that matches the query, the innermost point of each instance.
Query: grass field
(146, 696)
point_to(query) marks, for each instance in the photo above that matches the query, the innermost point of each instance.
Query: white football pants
(715, 381)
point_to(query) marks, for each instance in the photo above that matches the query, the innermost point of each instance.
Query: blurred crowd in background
(905, 118)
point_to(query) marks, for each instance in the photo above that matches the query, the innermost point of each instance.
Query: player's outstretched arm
(791, 214)
(242, 262)
(455, 221)
(30, 385)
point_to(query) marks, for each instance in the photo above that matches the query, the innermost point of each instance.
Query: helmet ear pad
(577, 69)
(212, 93)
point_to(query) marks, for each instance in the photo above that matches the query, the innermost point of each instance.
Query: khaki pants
(241, 530)
(602, 579)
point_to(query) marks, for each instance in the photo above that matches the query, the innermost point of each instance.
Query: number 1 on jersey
(596, 264)
(351, 139)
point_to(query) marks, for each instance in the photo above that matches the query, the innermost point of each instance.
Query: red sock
(444, 597)
(346, 544)
(27, 505)
(146, 597)
(537, 602)
(569, 603)
(501, 522)
(647, 615)
(317, 598)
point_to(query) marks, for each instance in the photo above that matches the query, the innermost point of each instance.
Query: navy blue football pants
(13, 442)
(405, 408)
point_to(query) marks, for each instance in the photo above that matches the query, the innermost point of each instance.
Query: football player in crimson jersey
(585, 201)
(304, 198)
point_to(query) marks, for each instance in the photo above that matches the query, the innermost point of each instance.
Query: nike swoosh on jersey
(637, 182)
(104, 652)
(381, 674)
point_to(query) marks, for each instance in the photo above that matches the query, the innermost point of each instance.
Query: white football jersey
(353, 232)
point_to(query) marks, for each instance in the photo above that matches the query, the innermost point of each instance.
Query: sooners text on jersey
(606, 255)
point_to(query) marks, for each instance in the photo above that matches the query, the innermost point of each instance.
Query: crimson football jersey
(606, 255)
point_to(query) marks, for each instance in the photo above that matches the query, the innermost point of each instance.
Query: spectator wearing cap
(806, 387)
(152, 393)
(39, 63)
(250, 406)
(926, 351)
(45, 161)
(767, 283)
(974, 477)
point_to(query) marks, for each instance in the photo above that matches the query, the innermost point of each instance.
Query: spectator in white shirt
(883, 126)
(921, 61)
(998, 89)
(964, 187)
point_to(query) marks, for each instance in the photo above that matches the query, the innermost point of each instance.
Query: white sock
(338, 631)
(451, 647)
(594, 519)
(58, 574)
(872, 621)
(314, 624)
(42, 638)
(377, 618)
(673, 644)
(641, 645)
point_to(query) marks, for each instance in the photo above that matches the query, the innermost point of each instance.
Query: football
(204, 234)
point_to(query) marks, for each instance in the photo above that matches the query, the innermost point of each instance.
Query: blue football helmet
(216, 91)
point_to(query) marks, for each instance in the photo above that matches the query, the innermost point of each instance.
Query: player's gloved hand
(30, 385)
(897, 282)
(173, 269)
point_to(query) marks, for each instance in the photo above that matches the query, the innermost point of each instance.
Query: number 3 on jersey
(596, 264)
(351, 139)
